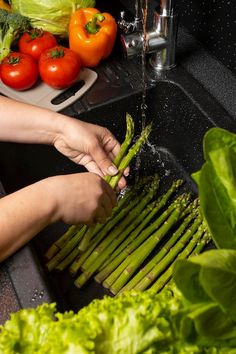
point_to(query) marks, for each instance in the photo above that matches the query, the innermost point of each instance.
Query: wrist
(49, 189)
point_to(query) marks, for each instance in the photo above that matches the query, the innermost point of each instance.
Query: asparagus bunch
(123, 159)
(136, 259)
(115, 251)
(125, 204)
(136, 237)
(70, 250)
(198, 242)
(162, 263)
(134, 283)
(116, 236)
(66, 250)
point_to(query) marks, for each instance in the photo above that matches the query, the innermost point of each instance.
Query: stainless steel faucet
(160, 40)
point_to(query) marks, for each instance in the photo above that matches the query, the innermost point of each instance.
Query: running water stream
(144, 13)
(144, 7)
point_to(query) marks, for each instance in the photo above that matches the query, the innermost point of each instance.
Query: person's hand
(81, 198)
(89, 145)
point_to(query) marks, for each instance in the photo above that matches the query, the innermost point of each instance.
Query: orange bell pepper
(92, 35)
(4, 5)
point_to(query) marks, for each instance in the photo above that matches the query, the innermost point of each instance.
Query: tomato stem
(35, 33)
(57, 53)
(92, 27)
(14, 60)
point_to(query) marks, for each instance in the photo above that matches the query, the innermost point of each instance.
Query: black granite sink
(181, 112)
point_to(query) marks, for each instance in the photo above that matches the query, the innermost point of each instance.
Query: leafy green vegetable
(216, 183)
(208, 282)
(132, 323)
(50, 15)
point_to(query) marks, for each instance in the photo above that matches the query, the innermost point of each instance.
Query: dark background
(213, 22)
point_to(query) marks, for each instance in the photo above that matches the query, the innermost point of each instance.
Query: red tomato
(59, 67)
(19, 71)
(35, 42)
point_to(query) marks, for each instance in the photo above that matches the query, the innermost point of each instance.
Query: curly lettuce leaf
(132, 323)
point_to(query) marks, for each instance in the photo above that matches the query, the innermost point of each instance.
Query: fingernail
(112, 170)
(126, 173)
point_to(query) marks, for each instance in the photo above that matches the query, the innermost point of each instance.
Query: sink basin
(181, 112)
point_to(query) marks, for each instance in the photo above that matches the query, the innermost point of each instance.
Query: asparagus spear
(143, 251)
(131, 153)
(125, 145)
(164, 250)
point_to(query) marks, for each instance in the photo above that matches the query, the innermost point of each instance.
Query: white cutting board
(42, 95)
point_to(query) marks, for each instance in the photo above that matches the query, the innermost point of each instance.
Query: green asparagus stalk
(118, 265)
(101, 253)
(160, 266)
(202, 244)
(66, 249)
(133, 199)
(161, 202)
(58, 245)
(196, 245)
(130, 155)
(158, 257)
(144, 250)
(125, 145)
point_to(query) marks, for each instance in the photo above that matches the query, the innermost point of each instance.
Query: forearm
(23, 214)
(24, 123)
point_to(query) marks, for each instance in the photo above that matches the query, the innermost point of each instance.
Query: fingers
(122, 183)
(104, 151)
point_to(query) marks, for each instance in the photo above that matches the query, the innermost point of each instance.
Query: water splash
(37, 294)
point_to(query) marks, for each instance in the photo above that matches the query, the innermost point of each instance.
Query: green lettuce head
(50, 15)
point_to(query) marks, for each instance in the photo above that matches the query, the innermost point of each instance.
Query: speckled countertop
(8, 298)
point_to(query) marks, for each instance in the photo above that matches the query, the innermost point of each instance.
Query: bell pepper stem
(92, 27)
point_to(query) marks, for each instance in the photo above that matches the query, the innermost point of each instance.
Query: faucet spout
(167, 7)
(160, 40)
